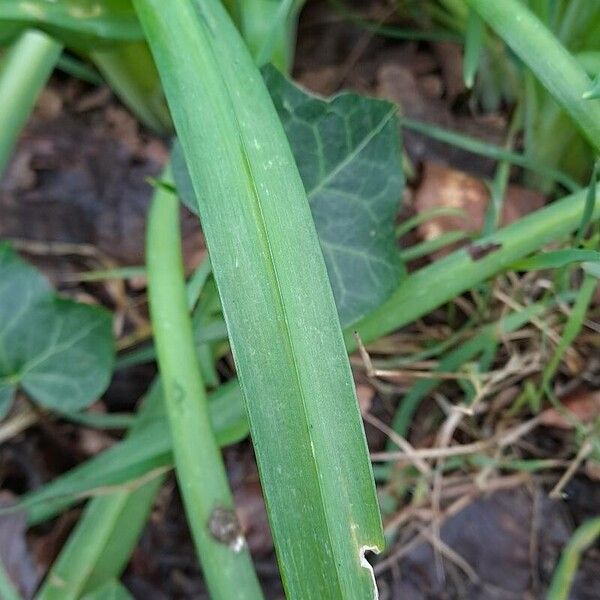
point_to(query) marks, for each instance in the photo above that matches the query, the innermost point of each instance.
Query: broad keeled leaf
(59, 351)
(277, 302)
(347, 149)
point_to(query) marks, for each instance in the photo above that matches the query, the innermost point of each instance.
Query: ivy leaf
(59, 351)
(348, 153)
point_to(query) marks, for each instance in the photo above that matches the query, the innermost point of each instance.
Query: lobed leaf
(347, 150)
(59, 351)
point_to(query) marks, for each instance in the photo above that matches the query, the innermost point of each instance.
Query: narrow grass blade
(390, 31)
(553, 65)
(24, 71)
(146, 449)
(571, 330)
(589, 206)
(555, 259)
(269, 29)
(582, 539)
(129, 70)
(473, 42)
(431, 286)
(77, 569)
(429, 246)
(225, 559)
(78, 69)
(111, 525)
(442, 211)
(484, 149)
(453, 360)
(277, 301)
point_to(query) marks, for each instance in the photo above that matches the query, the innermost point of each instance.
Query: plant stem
(582, 539)
(201, 474)
(25, 70)
(554, 66)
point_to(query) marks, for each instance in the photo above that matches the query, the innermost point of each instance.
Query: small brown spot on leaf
(224, 526)
(479, 251)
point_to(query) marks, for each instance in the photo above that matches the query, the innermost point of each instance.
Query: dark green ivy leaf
(59, 351)
(348, 152)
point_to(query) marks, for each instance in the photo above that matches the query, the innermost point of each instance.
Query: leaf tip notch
(365, 564)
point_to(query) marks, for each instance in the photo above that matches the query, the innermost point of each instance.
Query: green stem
(25, 70)
(554, 66)
(582, 539)
(100, 545)
(432, 286)
(200, 471)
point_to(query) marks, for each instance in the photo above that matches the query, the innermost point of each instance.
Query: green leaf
(24, 70)
(81, 23)
(562, 580)
(147, 448)
(129, 70)
(473, 45)
(555, 259)
(348, 153)
(113, 590)
(555, 67)
(277, 302)
(59, 351)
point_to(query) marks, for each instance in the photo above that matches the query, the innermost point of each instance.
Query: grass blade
(431, 286)
(129, 70)
(556, 259)
(24, 72)
(277, 302)
(208, 501)
(563, 577)
(554, 66)
(484, 149)
(473, 43)
(589, 206)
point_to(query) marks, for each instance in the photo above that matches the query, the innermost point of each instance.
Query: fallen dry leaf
(444, 187)
(584, 406)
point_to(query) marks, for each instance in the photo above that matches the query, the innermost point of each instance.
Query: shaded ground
(75, 199)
